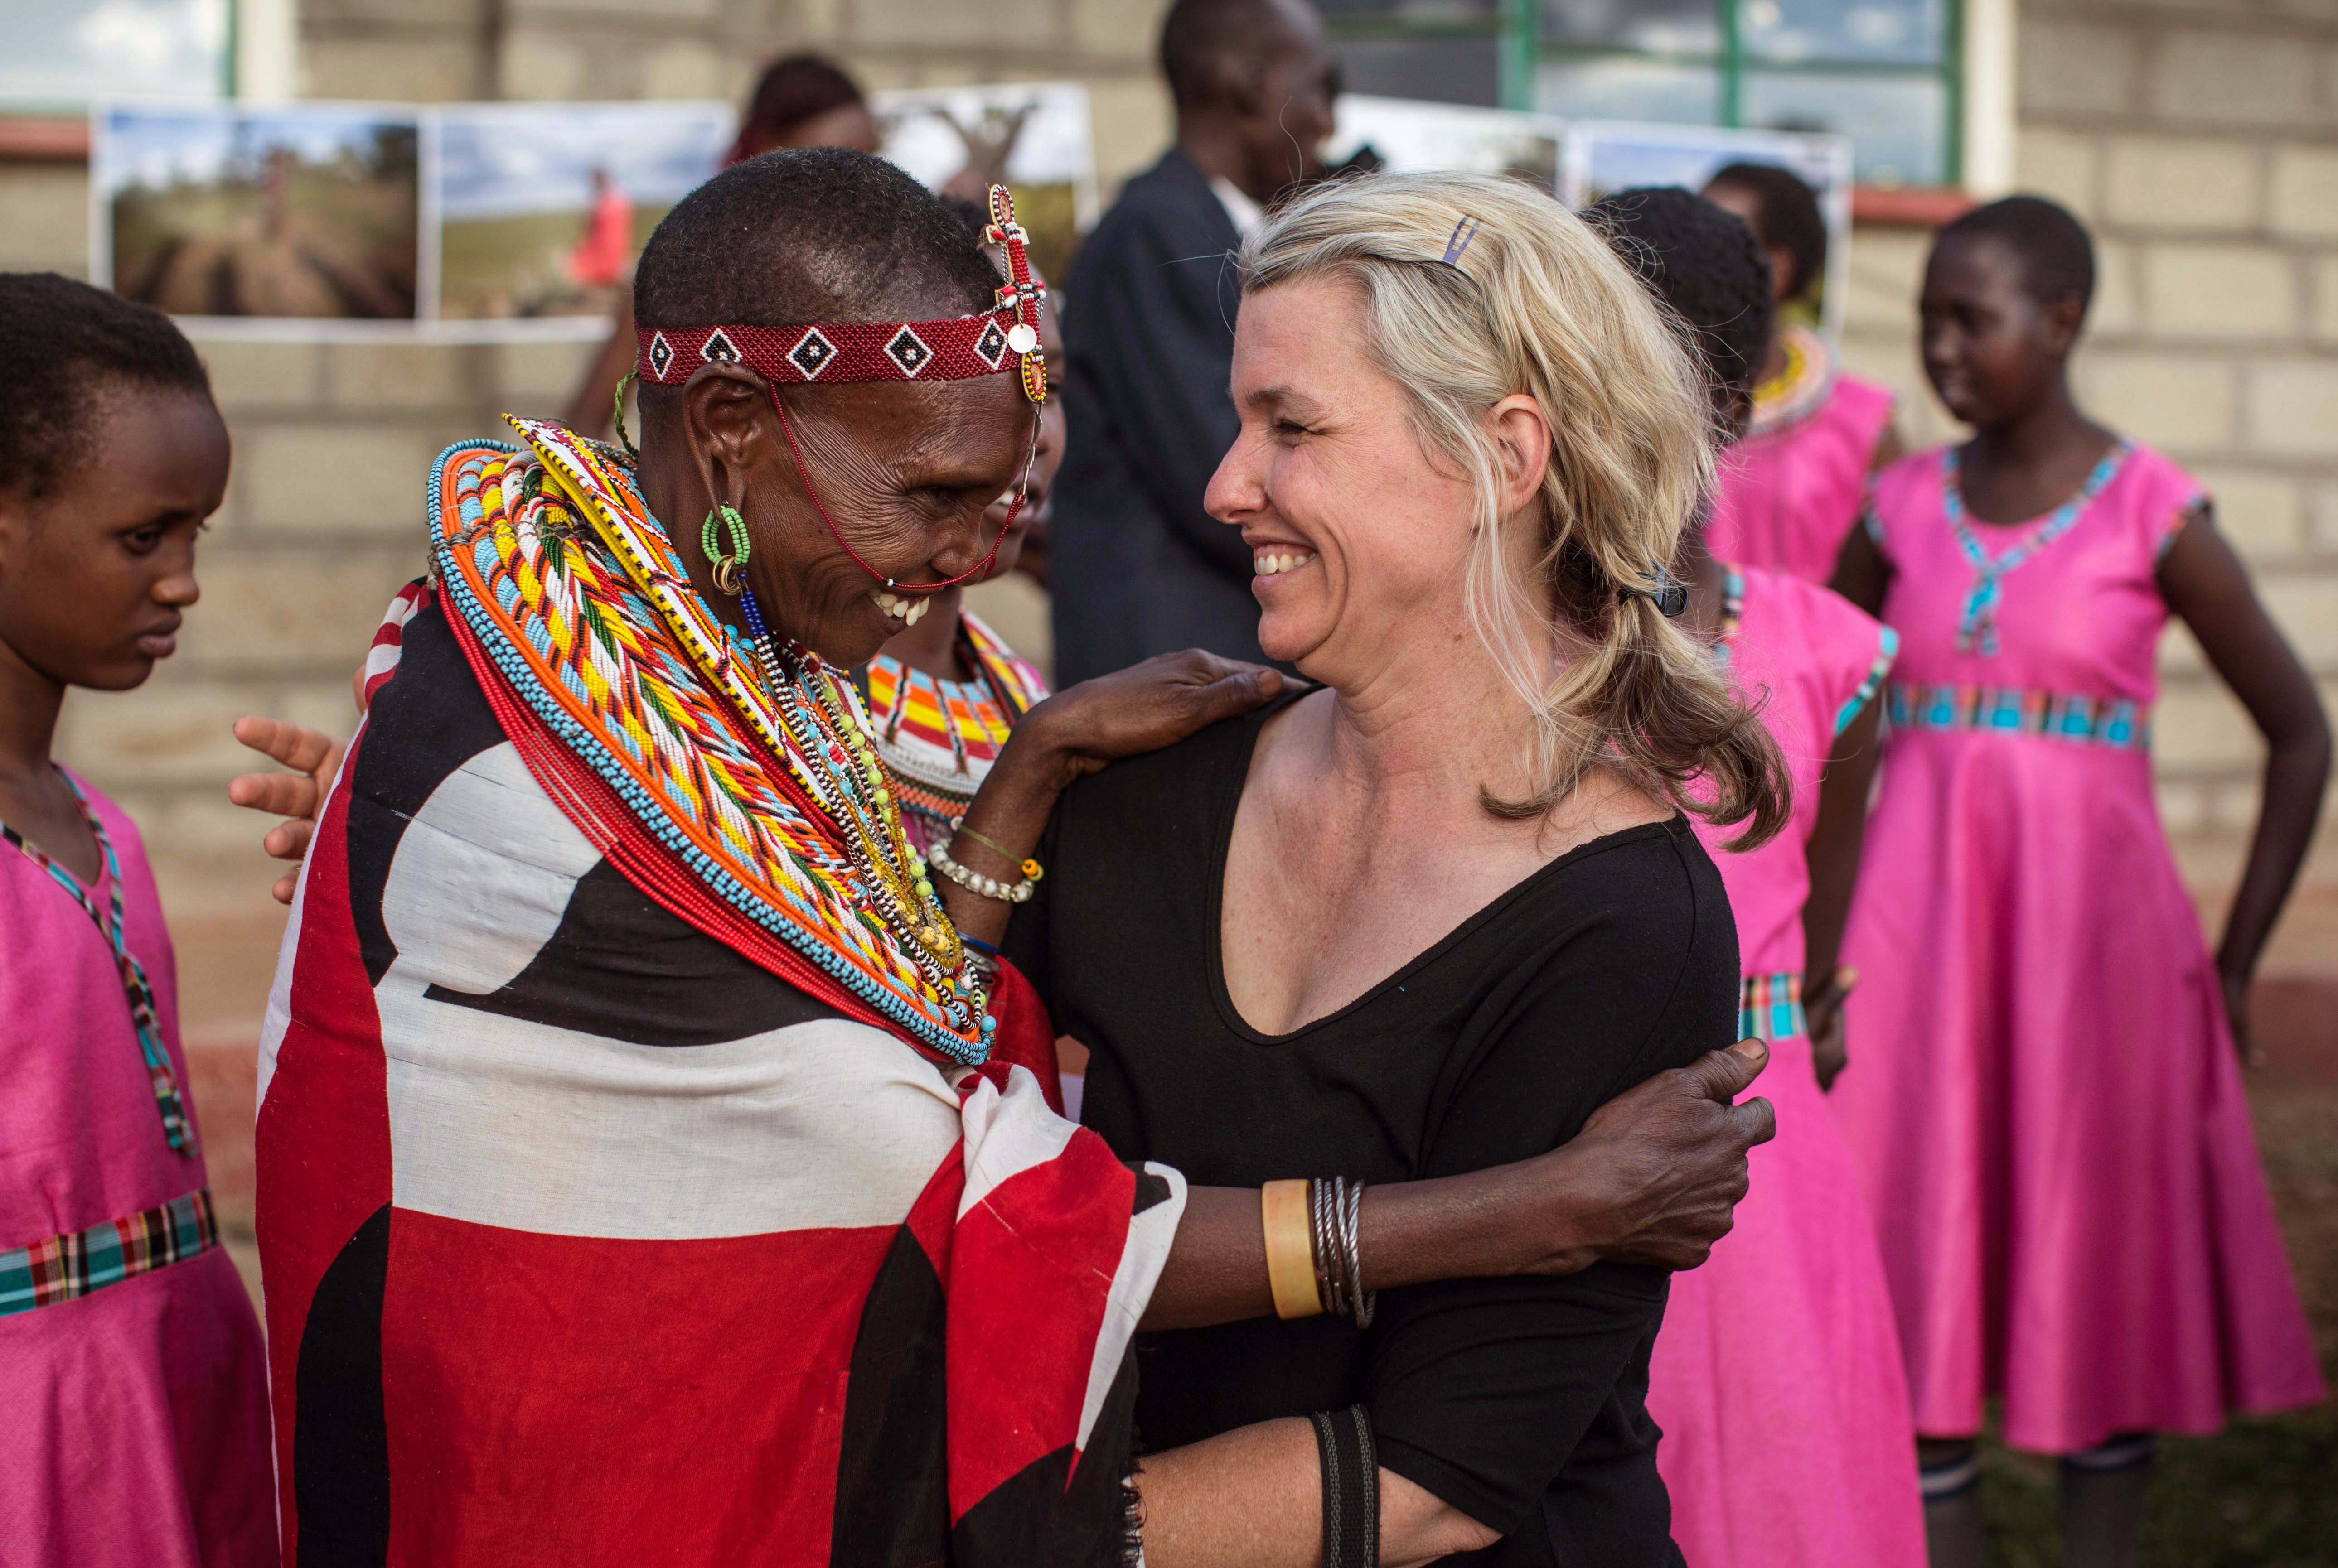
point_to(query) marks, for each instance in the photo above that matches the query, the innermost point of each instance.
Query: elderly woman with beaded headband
(648, 1163)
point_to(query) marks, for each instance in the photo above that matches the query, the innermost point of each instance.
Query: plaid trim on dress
(1887, 649)
(64, 1267)
(2120, 724)
(1770, 1007)
(143, 1017)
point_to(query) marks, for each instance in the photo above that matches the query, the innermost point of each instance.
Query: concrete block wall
(2199, 140)
(436, 50)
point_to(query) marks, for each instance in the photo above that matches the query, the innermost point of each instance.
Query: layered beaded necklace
(859, 801)
(1800, 389)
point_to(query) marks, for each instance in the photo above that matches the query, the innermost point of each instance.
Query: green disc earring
(726, 567)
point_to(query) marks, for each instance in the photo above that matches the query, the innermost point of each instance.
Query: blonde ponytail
(1535, 303)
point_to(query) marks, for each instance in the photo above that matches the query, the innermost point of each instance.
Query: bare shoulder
(1605, 802)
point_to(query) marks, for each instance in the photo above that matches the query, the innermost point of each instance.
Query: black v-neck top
(1521, 1402)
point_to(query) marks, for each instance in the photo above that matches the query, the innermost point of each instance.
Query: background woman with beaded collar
(943, 694)
(1788, 494)
(627, 1081)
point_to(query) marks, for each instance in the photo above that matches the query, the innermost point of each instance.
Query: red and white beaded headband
(948, 350)
(831, 353)
(835, 353)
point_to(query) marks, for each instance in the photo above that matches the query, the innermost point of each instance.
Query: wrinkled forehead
(947, 434)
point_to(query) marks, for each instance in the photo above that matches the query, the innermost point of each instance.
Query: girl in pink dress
(137, 1428)
(2049, 1118)
(1777, 1377)
(1789, 494)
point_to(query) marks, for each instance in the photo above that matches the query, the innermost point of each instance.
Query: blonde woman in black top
(1428, 916)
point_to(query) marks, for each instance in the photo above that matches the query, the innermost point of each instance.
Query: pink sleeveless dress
(1789, 495)
(2044, 1104)
(137, 1428)
(1777, 1379)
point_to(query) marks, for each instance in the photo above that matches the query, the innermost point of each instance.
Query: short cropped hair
(2057, 255)
(807, 235)
(1704, 262)
(1786, 217)
(1203, 43)
(64, 346)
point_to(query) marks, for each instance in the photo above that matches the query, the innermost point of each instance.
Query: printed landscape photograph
(542, 208)
(1604, 156)
(311, 212)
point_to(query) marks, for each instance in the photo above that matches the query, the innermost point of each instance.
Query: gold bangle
(1290, 1249)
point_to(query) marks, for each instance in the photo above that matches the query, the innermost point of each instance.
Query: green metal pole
(1521, 49)
(1732, 65)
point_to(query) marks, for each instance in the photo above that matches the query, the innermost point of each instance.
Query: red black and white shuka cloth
(590, 1237)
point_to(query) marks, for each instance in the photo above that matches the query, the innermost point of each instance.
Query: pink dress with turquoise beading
(2046, 1106)
(1777, 1379)
(137, 1428)
(1789, 495)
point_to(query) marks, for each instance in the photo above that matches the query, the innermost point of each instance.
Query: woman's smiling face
(1358, 541)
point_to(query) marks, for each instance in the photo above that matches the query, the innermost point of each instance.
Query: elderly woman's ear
(1522, 435)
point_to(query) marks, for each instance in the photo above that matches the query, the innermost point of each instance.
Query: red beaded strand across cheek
(949, 351)
(981, 569)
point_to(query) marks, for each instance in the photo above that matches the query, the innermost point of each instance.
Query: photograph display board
(1032, 137)
(1605, 155)
(1404, 136)
(487, 223)
(544, 207)
(312, 212)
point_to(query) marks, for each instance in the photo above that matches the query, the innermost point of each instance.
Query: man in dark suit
(1139, 567)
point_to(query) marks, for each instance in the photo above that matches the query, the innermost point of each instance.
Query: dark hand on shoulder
(1075, 733)
(1140, 709)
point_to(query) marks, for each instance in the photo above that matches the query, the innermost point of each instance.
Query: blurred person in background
(598, 259)
(802, 101)
(1788, 493)
(1777, 1379)
(2051, 1123)
(1138, 566)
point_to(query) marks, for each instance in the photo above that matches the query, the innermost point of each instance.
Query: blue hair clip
(1463, 232)
(1670, 595)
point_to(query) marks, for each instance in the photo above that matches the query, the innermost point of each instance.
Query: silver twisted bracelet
(1336, 1206)
(976, 882)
